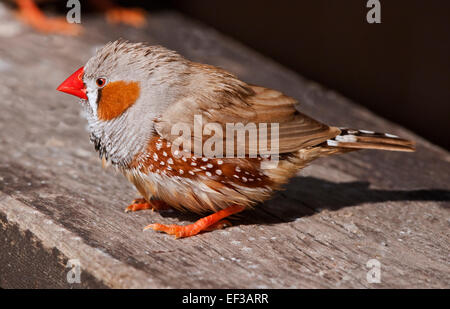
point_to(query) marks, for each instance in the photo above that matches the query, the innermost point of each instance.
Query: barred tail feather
(363, 139)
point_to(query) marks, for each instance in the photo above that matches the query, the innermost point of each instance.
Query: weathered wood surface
(57, 203)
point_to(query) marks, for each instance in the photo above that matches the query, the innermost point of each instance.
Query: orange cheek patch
(115, 98)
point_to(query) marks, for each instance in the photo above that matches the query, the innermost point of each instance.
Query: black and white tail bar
(365, 139)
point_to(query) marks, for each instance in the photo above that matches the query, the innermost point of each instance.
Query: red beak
(74, 84)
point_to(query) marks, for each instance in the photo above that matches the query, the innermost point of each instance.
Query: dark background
(399, 69)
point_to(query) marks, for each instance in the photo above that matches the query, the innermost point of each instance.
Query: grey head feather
(161, 74)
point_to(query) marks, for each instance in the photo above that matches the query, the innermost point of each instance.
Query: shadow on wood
(313, 195)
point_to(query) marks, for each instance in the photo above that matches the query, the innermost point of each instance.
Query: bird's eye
(100, 82)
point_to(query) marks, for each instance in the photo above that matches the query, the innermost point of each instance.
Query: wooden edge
(99, 268)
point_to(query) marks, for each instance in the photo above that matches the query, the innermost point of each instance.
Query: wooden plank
(57, 203)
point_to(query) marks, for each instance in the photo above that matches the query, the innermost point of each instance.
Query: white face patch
(92, 98)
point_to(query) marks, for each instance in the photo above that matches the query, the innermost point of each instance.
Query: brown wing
(220, 98)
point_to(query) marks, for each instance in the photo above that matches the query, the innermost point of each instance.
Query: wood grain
(57, 203)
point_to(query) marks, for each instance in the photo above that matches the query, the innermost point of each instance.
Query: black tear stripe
(99, 96)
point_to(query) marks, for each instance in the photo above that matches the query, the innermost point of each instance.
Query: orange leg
(218, 226)
(212, 221)
(133, 16)
(33, 16)
(115, 14)
(141, 204)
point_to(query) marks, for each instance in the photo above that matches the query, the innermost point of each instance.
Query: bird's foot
(30, 14)
(141, 204)
(130, 16)
(209, 223)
